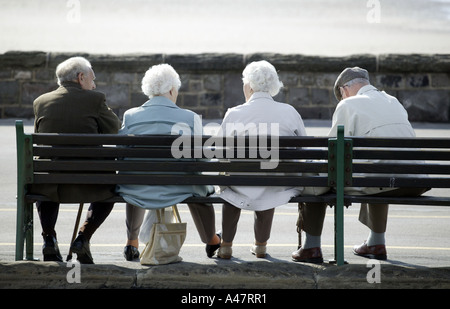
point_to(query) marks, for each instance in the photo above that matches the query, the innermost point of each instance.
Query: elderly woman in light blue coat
(158, 116)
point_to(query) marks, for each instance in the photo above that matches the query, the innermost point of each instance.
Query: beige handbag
(165, 240)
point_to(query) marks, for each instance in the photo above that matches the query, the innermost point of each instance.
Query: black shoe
(80, 246)
(130, 253)
(50, 249)
(211, 249)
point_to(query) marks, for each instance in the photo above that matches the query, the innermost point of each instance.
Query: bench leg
(24, 231)
(29, 232)
(341, 146)
(339, 234)
(19, 230)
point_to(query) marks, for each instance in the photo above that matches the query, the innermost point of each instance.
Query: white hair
(160, 79)
(69, 69)
(262, 76)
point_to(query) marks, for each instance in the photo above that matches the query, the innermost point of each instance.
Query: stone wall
(211, 83)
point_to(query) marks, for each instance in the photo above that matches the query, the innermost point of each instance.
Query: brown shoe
(311, 255)
(377, 252)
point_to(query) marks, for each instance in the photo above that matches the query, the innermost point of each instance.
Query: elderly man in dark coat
(73, 108)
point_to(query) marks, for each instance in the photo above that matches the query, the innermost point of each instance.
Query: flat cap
(347, 75)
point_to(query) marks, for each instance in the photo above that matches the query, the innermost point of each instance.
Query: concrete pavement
(418, 247)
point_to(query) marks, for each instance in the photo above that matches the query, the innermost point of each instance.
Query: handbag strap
(176, 213)
(160, 213)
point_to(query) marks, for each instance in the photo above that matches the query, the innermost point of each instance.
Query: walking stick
(75, 229)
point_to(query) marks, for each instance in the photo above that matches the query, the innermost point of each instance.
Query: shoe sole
(381, 257)
(258, 255)
(82, 256)
(52, 258)
(317, 260)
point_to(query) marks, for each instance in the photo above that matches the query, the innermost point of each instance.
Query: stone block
(233, 94)
(388, 81)
(189, 100)
(289, 78)
(137, 99)
(117, 95)
(212, 82)
(303, 63)
(426, 105)
(440, 80)
(22, 75)
(205, 62)
(45, 75)
(281, 96)
(21, 59)
(211, 99)
(413, 63)
(314, 112)
(195, 85)
(9, 92)
(123, 78)
(320, 97)
(299, 97)
(32, 90)
(417, 81)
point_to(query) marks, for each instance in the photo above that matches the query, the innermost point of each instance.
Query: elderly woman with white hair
(260, 111)
(157, 116)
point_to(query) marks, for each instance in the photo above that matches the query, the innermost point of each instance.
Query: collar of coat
(70, 84)
(160, 101)
(258, 95)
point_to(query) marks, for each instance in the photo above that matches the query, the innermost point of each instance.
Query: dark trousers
(97, 213)
(262, 223)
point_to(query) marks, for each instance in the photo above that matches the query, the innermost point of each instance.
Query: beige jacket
(371, 113)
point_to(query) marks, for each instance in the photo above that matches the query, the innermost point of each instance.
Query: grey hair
(68, 70)
(357, 81)
(262, 76)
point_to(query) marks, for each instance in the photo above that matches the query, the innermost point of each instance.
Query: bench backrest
(127, 159)
(400, 162)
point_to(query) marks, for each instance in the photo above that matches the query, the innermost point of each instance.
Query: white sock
(311, 241)
(376, 239)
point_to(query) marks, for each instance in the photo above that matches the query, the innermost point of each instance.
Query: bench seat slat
(399, 142)
(405, 182)
(243, 180)
(189, 167)
(162, 140)
(401, 155)
(325, 198)
(396, 168)
(420, 200)
(112, 152)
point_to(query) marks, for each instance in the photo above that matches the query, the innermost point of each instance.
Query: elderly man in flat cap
(364, 111)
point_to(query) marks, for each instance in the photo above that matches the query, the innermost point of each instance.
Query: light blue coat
(158, 116)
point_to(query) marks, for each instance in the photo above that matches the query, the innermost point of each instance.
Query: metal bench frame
(327, 162)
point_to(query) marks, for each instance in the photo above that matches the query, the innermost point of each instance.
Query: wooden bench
(324, 162)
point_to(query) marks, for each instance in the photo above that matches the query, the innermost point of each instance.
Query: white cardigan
(261, 110)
